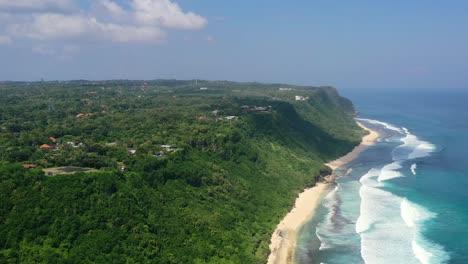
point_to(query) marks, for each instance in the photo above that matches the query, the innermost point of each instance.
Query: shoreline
(284, 238)
(367, 140)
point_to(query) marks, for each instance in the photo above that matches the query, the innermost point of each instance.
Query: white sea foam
(367, 218)
(388, 225)
(413, 214)
(338, 224)
(323, 244)
(421, 254)
(390, 171)
(332, 193)
(425, 251)
(379, 221)
(387, 219)
(364, 223)
(424, 149)
(349, 171)
(367, 179)
(413, 168)
(376, 122)
(330, 202)
(412, 148)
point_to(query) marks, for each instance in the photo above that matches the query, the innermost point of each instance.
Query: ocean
(405, 199)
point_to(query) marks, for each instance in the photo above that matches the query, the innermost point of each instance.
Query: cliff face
(216, 197)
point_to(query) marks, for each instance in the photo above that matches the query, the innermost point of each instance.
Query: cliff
(211, 172)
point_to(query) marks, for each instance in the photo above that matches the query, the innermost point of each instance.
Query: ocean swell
(412, 147)
(424, 250)
(384, 236)
(390, 226)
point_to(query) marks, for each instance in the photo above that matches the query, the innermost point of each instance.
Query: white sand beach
(283, 241)
(367, 141)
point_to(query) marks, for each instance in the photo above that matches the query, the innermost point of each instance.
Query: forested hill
(178, 171)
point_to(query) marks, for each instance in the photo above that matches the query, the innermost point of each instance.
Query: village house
(46, 146)
(263, 109)
(83, 115)
(232, 118)
(29, 166)
(168, 147)
(74, 144)
(301, 98)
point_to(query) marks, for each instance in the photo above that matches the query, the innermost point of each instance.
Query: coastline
(367, 140)
(284, 238)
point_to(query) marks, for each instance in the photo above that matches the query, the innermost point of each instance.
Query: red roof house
(29, 166)
(81, 114)
(45, 146)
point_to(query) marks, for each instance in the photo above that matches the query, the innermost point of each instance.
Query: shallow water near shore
(401, 200)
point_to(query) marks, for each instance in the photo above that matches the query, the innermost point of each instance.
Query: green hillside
(187, 171)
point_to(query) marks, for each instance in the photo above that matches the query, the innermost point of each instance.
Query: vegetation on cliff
(188, 172)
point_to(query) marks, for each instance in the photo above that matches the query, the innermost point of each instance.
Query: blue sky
(352, 44)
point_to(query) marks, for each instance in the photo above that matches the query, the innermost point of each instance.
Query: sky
(347, 44)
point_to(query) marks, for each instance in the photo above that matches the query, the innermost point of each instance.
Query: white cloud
(51, 26)
(5, 40)
(144, 22)
(59, 27)
(125, 34)
(108, 7)
(36, 5)
(166, 13)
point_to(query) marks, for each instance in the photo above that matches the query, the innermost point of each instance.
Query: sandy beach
(283, 240)
(367, 141)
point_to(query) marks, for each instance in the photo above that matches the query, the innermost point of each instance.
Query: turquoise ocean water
(405, 199)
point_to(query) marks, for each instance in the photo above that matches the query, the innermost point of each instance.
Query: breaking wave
(387, 219)
(413, 168)
(425, 251)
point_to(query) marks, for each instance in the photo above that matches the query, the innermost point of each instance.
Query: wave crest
(412, 148)
(424, 250)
